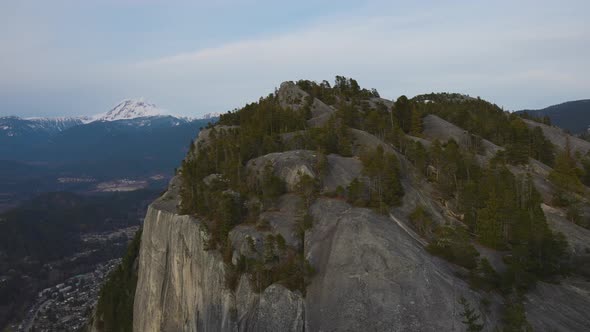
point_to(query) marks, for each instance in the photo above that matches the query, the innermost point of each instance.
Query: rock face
(181, 286)
(370, 276)
(372, 272)
(559, 138)
(437, 128)
(561, 307)
(292, 96)
(577, 237)
(291, 165)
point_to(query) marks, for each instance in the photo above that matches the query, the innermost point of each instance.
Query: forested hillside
(573, 116)
(59, 235)
(470, 182)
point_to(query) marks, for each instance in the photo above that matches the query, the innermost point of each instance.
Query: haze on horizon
(69, 57)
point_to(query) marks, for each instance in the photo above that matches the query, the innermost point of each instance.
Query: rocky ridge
(372, 271)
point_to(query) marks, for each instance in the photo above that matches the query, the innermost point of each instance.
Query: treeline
(382, 188)
(571, 177)
(216, 186)
(492, 123)
(345, 89)
(255, 131)
(496, 210)
(571, 171)
(362, 109)
(114, 310)
(540, 119)
(215, 183)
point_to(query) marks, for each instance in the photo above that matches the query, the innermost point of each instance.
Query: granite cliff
(372, 269)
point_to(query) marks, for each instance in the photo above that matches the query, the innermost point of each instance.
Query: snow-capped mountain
(55, 124)
(130, 109)
(132, 113)
(211, 115)
(14, 126)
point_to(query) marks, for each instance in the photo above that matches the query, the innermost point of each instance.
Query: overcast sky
(77, 57)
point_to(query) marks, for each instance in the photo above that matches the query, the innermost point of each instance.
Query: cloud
(517, 56)
(396, 54)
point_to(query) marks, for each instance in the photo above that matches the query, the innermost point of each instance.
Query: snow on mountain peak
(211, 115)
(130, 109)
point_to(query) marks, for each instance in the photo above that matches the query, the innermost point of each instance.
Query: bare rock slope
(559, 137)
(181, 285)
(372, 273)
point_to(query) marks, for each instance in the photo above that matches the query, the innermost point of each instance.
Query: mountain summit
(130, 109)
(322, 207)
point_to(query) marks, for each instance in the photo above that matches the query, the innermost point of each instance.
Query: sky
(73, 57)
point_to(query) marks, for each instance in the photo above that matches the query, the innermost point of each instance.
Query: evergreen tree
(515, 318)
(355, 192)
(470, 318)
(403, 113)
(565, 172)
(421, 220)
(383, 171)
(416, 121)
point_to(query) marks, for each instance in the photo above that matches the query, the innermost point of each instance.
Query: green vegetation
(500, 212)
(453, 169)
(484, 276)
(572, 116)
(570, 183)
(333, 137)
(514, 317)
(355, 192)
(453, 244)
(215, 183)
(48, 227)
(344, 88)
(490, 122)
(39, 238)
(493, 207)
(382, 169)
(114, 310)
(277, 264)
(565, 174)
(421, 220)
(540, 119)
(470, 317)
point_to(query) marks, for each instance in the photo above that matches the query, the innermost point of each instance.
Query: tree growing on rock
(470, 317)
(565, 173)
(383, 171)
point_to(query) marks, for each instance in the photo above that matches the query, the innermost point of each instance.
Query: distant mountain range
(130, 109)
(573, 116)
(134, 139)
(13, 126)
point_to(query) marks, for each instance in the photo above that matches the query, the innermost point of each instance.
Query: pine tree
(515, 318)
(383, 171)
(470, 318)
(488, 226)
(416, 120)
(403, 113)
(565, 172)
